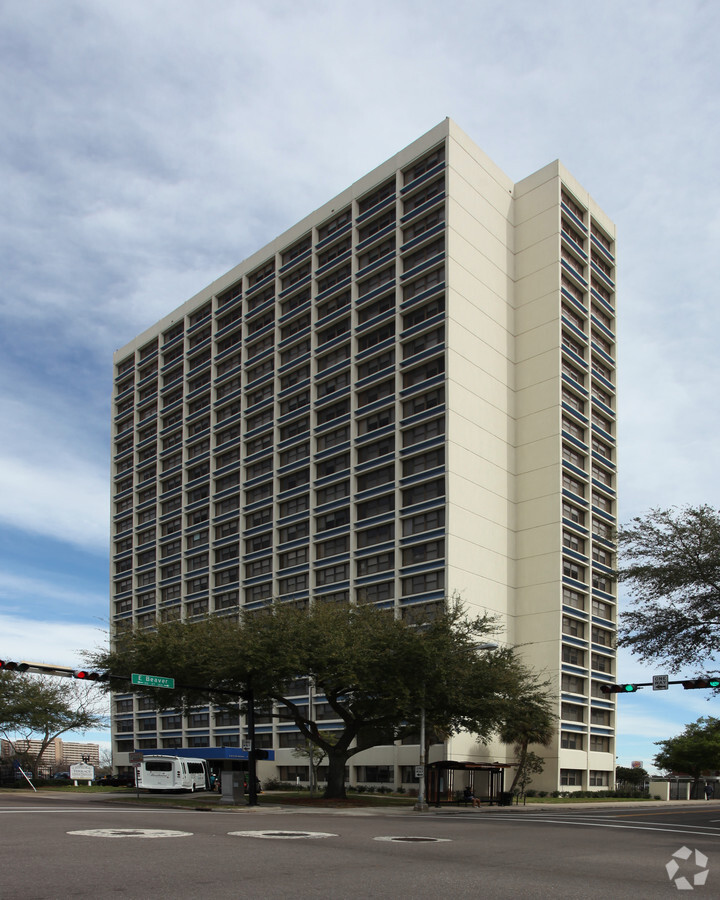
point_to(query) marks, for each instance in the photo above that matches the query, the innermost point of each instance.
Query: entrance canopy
(209, 753)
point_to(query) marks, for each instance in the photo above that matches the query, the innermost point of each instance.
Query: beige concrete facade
(409, 394)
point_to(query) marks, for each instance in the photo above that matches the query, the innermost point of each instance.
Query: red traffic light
(618, 688)
(7, 665)
(86, 675)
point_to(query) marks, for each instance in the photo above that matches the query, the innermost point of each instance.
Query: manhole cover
(282, 835)
(131, 833)
(413, 840)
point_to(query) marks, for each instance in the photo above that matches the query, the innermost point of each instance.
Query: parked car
(62, 776)
(122, 779)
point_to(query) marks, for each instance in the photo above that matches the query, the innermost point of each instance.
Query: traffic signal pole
(85, 675)
(689, 684)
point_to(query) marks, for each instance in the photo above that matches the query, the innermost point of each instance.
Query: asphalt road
(57, 847)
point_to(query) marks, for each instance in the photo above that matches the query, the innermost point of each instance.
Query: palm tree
(531, 721)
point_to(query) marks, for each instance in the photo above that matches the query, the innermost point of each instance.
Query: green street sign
(152, 680)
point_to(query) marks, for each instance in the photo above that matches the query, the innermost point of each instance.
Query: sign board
(419, 771)
(136, 756)
(660, 682)
(636, 764)
(82, 772)
(158, 681)
(246, 745)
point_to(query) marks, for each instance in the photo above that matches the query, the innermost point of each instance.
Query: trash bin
(505, 798)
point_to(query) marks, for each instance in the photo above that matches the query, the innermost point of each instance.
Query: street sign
(419, 771)
(246, 745)
(660, 682)
(158, 681)
(135, 756)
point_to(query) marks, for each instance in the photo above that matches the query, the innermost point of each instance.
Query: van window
(195, 767)
(158, 766)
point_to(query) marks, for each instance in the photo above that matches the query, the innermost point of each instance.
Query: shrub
(274, 784)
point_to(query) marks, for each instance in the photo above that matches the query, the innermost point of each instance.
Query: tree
(695, 751)
(629, 778)
(671, 564)
(37, 707)
(374, 671)
(530, 722)
(314, 754)
(532, 764)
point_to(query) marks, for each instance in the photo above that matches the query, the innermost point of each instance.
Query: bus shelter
(446, 780)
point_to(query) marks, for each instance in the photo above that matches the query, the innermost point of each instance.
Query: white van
(173, 773)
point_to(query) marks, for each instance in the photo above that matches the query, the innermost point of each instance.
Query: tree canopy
(373, 670)
(671, 566)
(37, 707)
(694, 752)
(628, 777)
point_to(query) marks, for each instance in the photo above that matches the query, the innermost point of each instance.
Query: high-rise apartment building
(409, 394)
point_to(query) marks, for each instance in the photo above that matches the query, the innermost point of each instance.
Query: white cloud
(59, 642)
(68, 502)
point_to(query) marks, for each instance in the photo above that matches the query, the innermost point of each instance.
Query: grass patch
(561, 800)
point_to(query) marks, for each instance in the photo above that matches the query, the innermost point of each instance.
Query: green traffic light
(714, 682)
(629, 688)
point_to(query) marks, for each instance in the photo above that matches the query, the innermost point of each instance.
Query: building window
(426, 582)
(601, 663)
(604, 610)
(294, 557)
(573, 598)
(573, 655)
(573, 542)
(332, 547)
(573, 627)
(602, 636)
(571, 740)
(374, 593)
(600, 717)
(378, 535)
(573, 570)
(571, 777)
(572, 683)
(381, 562)
(421, 552)
(571, 712)
(293, 583)
(331, 574)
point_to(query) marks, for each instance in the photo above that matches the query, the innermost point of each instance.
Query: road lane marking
(627, 826)
(282, 835)
(130, 833)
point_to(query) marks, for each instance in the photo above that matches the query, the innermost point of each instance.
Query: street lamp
(421, 804)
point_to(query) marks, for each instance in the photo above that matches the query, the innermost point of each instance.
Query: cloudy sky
(147, 148)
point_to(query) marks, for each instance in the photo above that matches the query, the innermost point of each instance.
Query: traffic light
(618, 688)
(7, 665)
(86, 675)
(701, 683)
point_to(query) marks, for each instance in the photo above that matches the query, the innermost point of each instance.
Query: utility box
(232, 786)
